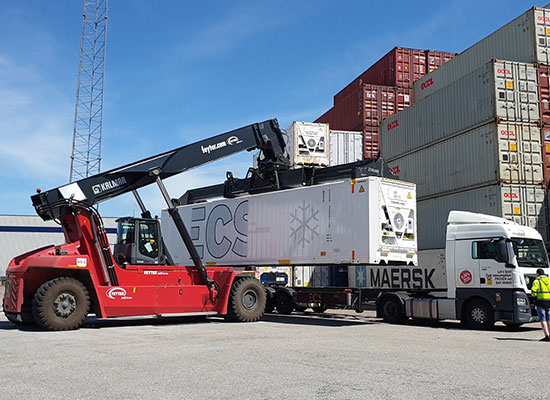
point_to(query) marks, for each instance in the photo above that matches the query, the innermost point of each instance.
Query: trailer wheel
(321, 308)
(391, 309)
(247, 300)
(479, 315)
(269, 304)
(61, 304)
(284, 303)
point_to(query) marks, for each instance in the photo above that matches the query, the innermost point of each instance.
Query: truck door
(492, 260)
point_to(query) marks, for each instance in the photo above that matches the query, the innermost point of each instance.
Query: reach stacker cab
(57, 286)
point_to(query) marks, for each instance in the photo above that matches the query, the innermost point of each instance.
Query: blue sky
(180, 71)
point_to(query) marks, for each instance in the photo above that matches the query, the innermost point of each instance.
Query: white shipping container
(345, 147)
(301, 276)
(367, 220)
(525, 39)
(499, 90)
(491, 154)
(308, 143)
(523, 204)
(320, 276)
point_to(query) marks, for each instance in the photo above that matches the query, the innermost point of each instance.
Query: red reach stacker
(56, 287)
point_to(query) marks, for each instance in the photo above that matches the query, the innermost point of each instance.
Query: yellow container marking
(513, 147)
(510, 84)
(284, 262)
(517, 211)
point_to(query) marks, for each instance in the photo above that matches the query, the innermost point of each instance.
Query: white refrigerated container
(499, 90)
(525, 39)
(367, 220)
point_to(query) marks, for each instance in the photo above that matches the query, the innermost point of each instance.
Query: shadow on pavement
(95, 323)
(328, 320)
(517, 339)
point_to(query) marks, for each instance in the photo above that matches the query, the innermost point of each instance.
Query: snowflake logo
(360, 276)
(305, 218)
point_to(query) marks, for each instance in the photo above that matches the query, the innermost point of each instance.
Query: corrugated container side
(500, 89)
(371, 142)
(546, 153)
(491, 154)
(524, 204)
(525, 39)
(326, 118)
(544, 93)
(435, 59)
(345, 147)
(399, 67)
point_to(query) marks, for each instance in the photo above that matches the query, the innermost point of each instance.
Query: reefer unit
(308, 143)
(502, 90)
(365, 221)
(494, 153)
(345, 147)
(523, 204)
(525, 39)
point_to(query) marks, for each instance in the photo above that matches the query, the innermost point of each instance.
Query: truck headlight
(521, 301)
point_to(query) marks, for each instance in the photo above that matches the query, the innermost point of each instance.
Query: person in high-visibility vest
(541, 292)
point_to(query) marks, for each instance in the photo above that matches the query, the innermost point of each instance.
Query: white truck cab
(489, 264)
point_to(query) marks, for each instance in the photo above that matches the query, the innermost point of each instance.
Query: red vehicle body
(141, 289)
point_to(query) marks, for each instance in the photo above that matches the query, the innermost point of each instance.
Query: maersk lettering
(401, 278)
(109, 185)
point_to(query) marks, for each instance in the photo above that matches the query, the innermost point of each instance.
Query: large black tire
(269, 304)
(246, 300)
(284, 303)
(321, 308)
(391, 309)
(478, 314)
(61, 304)
(299, 308)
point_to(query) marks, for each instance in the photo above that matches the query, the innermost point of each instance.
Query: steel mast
(86, 152)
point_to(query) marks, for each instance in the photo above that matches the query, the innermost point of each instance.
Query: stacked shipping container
(382, 90)
(476, 138)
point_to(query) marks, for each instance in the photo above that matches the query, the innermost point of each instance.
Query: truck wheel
(61, 304)
(284, 303)
(269, 304)
(299, 308)
(479, 315)
(246, 300)
(391, 310)
(321, 308)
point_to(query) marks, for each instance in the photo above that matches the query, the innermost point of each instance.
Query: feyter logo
(393, 125)
(511, 196)
(427, 84)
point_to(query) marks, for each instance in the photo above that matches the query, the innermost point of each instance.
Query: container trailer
(525, 39)
(482, 275)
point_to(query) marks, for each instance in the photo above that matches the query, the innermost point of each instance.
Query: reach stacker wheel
(61, 304)
(246, 300)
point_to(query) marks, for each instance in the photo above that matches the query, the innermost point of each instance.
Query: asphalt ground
(336, 355)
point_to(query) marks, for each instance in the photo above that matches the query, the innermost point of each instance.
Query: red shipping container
(544, 93)
(546, 153)
(435, 59)
(400, 67)
(371, 142)
(326, 118)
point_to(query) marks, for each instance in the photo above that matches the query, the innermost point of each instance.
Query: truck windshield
(530, 253)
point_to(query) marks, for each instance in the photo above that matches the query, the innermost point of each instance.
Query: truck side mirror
(502, 252)
(120, 259)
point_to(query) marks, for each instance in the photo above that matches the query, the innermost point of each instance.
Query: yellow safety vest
(541, 288)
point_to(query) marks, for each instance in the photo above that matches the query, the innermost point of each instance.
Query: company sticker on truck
(465, 276)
